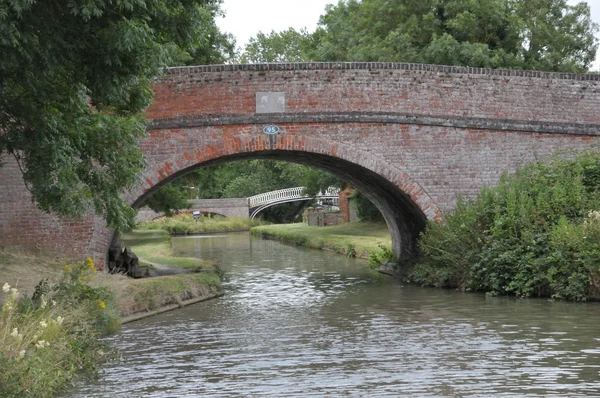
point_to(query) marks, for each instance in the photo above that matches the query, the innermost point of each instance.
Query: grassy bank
(186, 224)
(50, 333)
(135, 296)
(360, 239)
(153, 247)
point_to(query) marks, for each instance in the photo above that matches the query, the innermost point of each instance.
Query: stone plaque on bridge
(270, 102)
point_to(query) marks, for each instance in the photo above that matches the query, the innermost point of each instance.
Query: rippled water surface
(297, 322)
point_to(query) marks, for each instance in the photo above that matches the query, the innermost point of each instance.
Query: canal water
(302, 323)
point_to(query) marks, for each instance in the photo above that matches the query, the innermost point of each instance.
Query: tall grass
(50, 337)
(535, 234)
(186, 224)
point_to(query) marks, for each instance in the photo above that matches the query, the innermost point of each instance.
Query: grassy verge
(134, 296)
(154, 246)
(361, 239)
(49, 337)
(186, 224)
(49, 333)
(24, 270)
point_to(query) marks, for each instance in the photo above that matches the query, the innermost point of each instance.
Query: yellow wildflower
(67, 268)
(101, 304)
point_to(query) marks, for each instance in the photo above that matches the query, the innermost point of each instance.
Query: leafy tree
(316, 180)
(209, 44)
(520, 34)
(241, 179)
(286, 46)
(168, 199)
(74, 79)
(365, 210)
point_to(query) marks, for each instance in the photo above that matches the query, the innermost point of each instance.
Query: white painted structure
(258, 203)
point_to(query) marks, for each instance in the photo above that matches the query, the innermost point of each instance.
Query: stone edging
(171, 307)
(378, 117)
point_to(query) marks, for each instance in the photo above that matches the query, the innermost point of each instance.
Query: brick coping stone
(380, 66)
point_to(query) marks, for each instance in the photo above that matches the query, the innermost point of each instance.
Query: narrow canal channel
(299, 322)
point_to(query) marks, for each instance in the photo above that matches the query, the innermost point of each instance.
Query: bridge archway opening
(404, 217)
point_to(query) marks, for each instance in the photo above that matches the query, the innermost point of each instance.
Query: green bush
(350, 250)
(365, 209)
(535, 234)
(382, 256)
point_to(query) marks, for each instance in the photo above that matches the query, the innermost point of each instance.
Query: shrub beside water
(536, 234)
(50, 337)
(186, 224)
(381, 256)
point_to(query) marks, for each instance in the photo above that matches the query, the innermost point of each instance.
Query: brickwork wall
(344, 203)
(23, 226)
(407, 89)
(433, 132)
(322, 219)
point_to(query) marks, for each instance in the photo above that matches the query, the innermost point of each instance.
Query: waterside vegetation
(59, 321)
(185, 223)
(153, 248)
(537, 233)
(368, 240)
(51, 336)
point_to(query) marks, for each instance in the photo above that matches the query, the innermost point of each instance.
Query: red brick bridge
(411, 137)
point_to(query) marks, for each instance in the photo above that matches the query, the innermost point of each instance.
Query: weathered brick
(412, 137)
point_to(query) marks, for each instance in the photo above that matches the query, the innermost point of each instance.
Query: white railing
(288, 194)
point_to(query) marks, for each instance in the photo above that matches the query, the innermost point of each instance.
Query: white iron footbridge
(258, 203)
(252, 206)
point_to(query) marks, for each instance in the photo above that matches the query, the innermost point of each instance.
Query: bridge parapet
(231, 207)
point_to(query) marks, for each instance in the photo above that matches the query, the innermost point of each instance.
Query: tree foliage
(240, 179)
(546, 35)
(365, 209)
(74, 79)
(286, 46)
(168, 199)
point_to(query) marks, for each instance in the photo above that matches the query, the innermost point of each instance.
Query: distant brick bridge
(411, 137)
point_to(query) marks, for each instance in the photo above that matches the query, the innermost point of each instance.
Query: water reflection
(298, 322)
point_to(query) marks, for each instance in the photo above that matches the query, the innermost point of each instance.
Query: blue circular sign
(271, 130)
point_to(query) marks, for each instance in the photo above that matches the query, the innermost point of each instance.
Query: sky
(245, 18)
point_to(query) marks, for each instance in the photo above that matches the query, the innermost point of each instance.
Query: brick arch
(433, 132)
(158, 174)
(404, 203)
